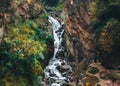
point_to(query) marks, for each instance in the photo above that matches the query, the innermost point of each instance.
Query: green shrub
(59, 6)
(22, 51)
(93, 70)
(109, 36)
(44, 17)
(111, 75)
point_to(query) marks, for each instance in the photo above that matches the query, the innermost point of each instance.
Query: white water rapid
(52, 75)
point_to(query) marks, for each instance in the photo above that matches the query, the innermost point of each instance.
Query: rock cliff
(83, 40)
(80, 42)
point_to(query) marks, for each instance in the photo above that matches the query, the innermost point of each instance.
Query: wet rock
(43, 84)
(61, 82)
(49, 9)
(60, 54)
(61, 69)
(64, 68)
(60, 30)
(67, 67)
(52, 74)
(50, 80)
(40, 82)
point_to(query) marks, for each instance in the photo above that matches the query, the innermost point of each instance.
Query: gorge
(63, 41)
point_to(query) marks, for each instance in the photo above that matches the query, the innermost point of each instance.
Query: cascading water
(52, 74)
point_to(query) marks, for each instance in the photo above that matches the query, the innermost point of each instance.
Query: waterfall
(57, 32)
(52, 75)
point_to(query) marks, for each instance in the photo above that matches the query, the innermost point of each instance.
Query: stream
(57, 71)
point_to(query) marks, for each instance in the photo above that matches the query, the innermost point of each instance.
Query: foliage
(111, 75)
(51, 2)
(114, 1)
(44, 17)
(109, 36)
(95, 7)
(59, 6)
(111, 11)
(110, 8)
(22, 51)
(38, 1)
(5, 3)
(23, 45)
(11, 80)
(93, 10)
(93, 70)
(107, 25)
(31, 24)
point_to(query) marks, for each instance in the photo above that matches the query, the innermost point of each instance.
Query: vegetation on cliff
(92, 28)
(104, 14)
(25, 43)
(108, 30)
(22, 50)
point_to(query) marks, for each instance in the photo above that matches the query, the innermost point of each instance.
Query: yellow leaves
(22, 55)
(7, 40)
(93, 10)
(109, 35)
(35, 47)
(92, 5)
(8, 79)
(12, 32)
(22, 44)
(27, 30)
(20, 39)
(11, 80)
(37, 69)
(106, 40)
(103, 33)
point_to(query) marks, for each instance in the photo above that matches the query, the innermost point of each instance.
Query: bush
(109, 36)
(93, 70)
(44, 17)
(59, 6)
(111, 75)
(22, 51)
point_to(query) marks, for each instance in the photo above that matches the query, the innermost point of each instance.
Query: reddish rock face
(79, 41)
(28, 10)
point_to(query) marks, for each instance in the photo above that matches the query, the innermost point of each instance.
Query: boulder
(64, 68)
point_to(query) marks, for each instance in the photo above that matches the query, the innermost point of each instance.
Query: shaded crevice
(112, 11)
